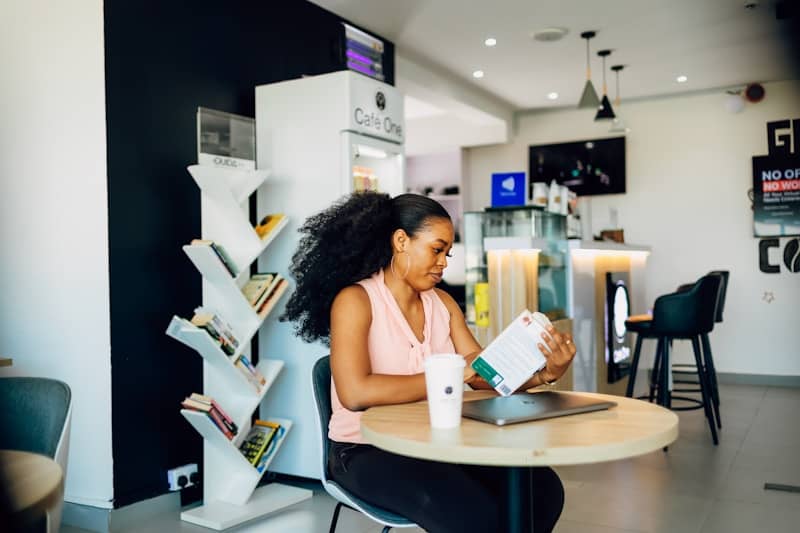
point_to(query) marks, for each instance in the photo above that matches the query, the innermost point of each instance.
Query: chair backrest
(688, 313)
(34, 415)
(723, 287)
(321, 388)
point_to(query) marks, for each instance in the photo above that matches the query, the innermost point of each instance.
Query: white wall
(688, 172)
(54, 294)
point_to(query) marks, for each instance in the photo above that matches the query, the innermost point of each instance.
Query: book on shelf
(209, 401)
(228, 428)
(260, 443)
(219, 330)
(258, 286)
(262, 302)
(252, 374)
(268, 224)
(220, 252)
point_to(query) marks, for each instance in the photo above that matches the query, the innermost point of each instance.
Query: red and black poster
(776, 182)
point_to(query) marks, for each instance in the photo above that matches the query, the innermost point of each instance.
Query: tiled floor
(694, 487)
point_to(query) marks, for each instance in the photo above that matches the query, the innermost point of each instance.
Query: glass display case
(515, 258)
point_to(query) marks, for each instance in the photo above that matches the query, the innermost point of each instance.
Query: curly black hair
(344, 244)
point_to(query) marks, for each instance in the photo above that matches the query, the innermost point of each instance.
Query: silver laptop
(525, 407)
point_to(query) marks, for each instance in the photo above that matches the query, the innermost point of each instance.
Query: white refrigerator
(321, 138)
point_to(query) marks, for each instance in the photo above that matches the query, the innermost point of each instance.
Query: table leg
(520, 504)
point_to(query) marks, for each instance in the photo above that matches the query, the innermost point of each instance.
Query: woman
(366, 272)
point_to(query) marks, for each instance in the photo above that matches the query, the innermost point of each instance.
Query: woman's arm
(357, 387)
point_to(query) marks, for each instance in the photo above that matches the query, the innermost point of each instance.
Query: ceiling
(714, 43)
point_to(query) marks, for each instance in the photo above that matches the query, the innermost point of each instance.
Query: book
(268, 224)
(513, 356)
(205, 321)
(269, 451)
(220, 252)
(259, 377)
(248, 374)
(257, 286)
(208, 400)
(213, 414)
(258, 442)
(277, 281)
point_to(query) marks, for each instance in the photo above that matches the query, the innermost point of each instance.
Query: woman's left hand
(559, 350)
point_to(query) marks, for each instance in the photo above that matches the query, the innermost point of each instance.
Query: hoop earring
(408, 264)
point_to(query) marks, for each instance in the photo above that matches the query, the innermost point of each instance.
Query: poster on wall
(776, 182)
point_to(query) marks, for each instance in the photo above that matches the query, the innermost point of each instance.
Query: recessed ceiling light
(491, 41)
(552, 96)
(478, 74)
(681, 79)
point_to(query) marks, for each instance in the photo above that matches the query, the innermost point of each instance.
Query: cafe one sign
(776, 198)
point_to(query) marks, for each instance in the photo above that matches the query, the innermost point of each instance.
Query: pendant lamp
(589, 98)
(604, 112)
(618, 124)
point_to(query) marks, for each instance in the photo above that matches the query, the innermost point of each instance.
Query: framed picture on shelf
(225, 140)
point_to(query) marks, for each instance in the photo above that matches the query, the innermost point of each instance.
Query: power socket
(181, 477)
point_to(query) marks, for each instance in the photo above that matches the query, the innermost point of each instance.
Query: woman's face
(427, 254)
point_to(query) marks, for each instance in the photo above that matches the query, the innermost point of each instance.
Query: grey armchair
(39, 422)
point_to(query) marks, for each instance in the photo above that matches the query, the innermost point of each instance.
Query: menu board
(363, 52)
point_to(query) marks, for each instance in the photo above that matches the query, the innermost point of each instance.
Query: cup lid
(451, 358)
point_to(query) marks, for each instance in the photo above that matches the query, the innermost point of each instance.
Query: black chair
(708, 359)
(685, 315)
(321, 388)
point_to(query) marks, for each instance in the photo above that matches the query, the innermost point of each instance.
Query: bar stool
(684, 369)
(685, 315)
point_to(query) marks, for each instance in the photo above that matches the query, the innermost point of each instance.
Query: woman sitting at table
(366, 271)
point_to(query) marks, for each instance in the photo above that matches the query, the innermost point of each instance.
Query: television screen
(588, 167)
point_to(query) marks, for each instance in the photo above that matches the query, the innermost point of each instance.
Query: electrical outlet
(181, 477)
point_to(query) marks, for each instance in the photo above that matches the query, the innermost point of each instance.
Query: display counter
(520, 258)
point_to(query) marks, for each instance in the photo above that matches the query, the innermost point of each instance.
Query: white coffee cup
(444, 381)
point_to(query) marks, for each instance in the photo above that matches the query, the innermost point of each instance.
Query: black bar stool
(685, 315)
(708, 359)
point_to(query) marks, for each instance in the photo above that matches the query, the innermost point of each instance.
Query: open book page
(513, 357)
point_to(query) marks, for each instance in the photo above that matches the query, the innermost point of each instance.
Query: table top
(633, 427)
(34, 483)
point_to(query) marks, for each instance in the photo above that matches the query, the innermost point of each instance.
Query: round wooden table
(631, 428)
(33, 483)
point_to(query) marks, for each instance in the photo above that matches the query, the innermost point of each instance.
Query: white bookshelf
(230, 496)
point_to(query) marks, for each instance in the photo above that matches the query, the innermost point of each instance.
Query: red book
(217, 418)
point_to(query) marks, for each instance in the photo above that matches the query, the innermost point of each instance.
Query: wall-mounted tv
(595, 166)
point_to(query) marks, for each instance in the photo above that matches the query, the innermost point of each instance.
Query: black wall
(163, 60)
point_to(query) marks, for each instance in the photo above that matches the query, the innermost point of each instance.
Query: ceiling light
(681, 79)
(604, 112)
(618, 125)
(491, 41)
(478, 74)
(589, 98)
(552, 96)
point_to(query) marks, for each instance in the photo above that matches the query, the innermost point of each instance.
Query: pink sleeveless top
(393, 347)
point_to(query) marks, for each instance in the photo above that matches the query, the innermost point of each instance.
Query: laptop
(525, 407)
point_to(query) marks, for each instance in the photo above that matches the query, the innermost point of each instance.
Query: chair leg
(386, 529)
(712, 377)
(666, 395)
(634, 366)
(655, 375)
(705, 389)
(335, 517)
